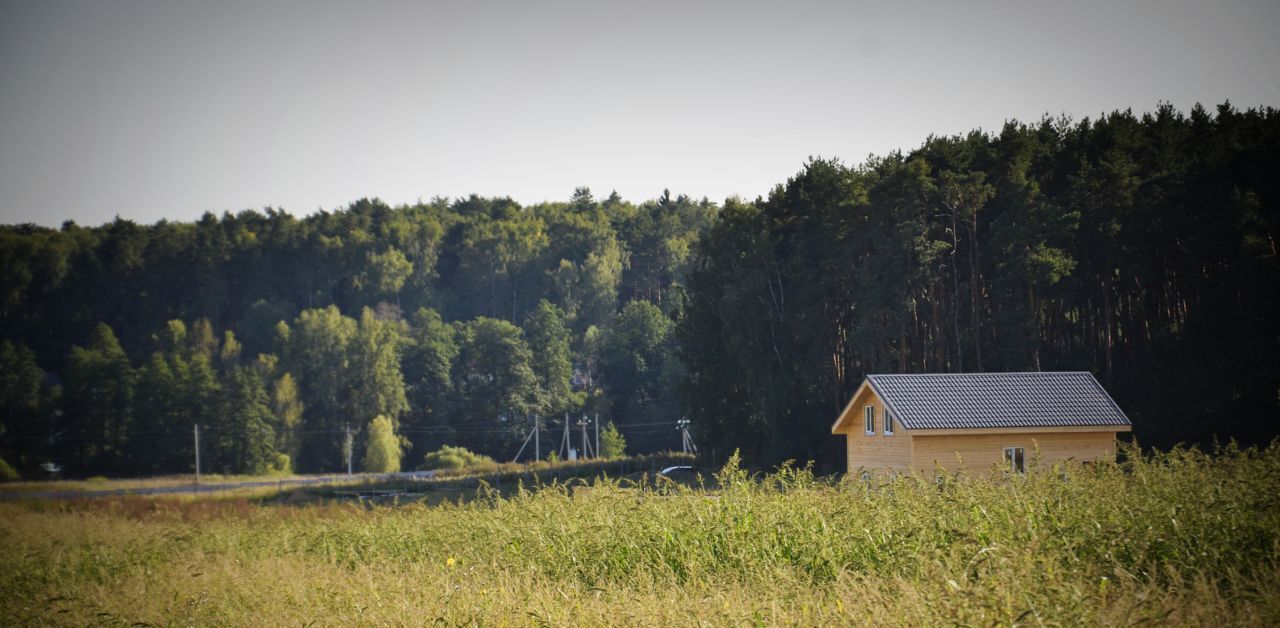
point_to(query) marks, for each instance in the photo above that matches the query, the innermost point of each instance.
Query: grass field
(1182, 538)
(502, 472)
(119, 484)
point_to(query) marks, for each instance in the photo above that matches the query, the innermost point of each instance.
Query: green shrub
(382, 454)
(282, 465)
(7, 472)
(448, 457)
(612, 443)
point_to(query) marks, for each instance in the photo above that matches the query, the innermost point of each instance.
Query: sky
(165, 110)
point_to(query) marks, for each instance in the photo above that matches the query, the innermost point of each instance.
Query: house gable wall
(875, 451)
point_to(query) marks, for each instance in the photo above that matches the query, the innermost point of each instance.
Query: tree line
(1139, 247)
(455, 321)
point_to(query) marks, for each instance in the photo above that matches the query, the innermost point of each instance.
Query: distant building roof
(978, 400)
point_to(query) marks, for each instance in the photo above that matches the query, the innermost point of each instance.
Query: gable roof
(995, 400)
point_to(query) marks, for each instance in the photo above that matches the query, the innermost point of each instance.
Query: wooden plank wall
(978, 452)
(876, 451)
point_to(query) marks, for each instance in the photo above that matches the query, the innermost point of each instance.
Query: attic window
(869, 419)
(888, 423)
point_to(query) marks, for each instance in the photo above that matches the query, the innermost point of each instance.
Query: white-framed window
(869, 419)
(888, 423)
(1016, 458)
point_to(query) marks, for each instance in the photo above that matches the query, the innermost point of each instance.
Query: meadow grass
(101, 483)
(488, 471)
(1180, 538)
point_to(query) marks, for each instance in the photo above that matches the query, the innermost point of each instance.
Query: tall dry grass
(1181, 538)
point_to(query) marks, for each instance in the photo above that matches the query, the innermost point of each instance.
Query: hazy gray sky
(153, 110)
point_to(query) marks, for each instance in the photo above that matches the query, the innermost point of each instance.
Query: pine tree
(244, 442)
(612, 443)
(99, 405)
(156, 398)
(24, 407)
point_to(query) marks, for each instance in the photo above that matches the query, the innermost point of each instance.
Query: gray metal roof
(976, 400)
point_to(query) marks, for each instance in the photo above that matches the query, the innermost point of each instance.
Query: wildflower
(450, 561)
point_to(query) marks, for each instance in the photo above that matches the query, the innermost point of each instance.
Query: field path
(212, 488)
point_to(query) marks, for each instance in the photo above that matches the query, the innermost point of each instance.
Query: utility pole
(564, 442)
(197, 433)
(686, 441)
(532, 436)
(597, 434)
(537, 447)
(586, 450)
(347, 447)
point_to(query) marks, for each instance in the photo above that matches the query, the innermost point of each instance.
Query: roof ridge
(969, 373)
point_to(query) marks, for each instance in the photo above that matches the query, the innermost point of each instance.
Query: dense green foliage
(454, 320)
(612, 443)
(449, 457)
(25, 406)
(382, 450)
(1142, 248)
(1176, 539)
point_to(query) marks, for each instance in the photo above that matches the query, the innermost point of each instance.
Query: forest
(1141, 247)
(458, 321)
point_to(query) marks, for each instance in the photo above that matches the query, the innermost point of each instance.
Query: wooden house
(978, 421)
